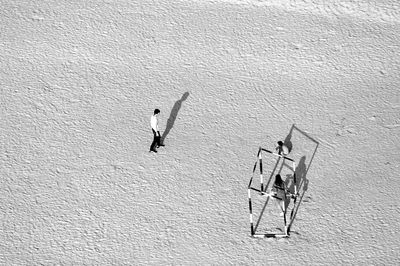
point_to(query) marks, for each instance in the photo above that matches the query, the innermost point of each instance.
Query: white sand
(79, 81)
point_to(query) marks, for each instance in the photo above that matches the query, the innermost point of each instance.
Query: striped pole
(287, 228)
(251, 213)
(255, 165)
(294, 178)
(261, 170)
(284, 214)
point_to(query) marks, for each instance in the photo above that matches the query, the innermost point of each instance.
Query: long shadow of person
(287, 142)
(302, 186)
(301, 171)
(173, 115)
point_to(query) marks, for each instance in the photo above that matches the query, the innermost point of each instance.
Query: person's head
(156, 111)
(278, 181)
(185, 96)
(280, 143)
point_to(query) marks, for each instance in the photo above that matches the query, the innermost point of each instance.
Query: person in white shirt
(156, 132)
(278, 193)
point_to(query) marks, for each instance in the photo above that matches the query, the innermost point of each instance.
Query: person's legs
(158, 139)
(154, 143)
(280, 150)
(159, 143)
(280, 204)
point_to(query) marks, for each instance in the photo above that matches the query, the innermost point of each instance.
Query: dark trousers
(156, 140)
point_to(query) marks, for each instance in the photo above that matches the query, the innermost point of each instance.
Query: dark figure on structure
(282, 149)
(278, 192)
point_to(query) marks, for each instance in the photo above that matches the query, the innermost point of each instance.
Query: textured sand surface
(80, 79)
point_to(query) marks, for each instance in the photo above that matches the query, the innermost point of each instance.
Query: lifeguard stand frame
(262, 191)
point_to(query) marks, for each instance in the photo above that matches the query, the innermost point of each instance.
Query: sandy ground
(80, 79)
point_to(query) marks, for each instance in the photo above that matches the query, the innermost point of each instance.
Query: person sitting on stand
(282, 149)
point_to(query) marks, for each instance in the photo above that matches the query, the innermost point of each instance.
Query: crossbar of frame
(269, 235)
(279, 155)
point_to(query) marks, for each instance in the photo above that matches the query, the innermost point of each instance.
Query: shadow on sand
(173, 115)
(300, 177)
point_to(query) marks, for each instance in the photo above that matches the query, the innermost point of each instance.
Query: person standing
(156, 131)
(279, 193)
